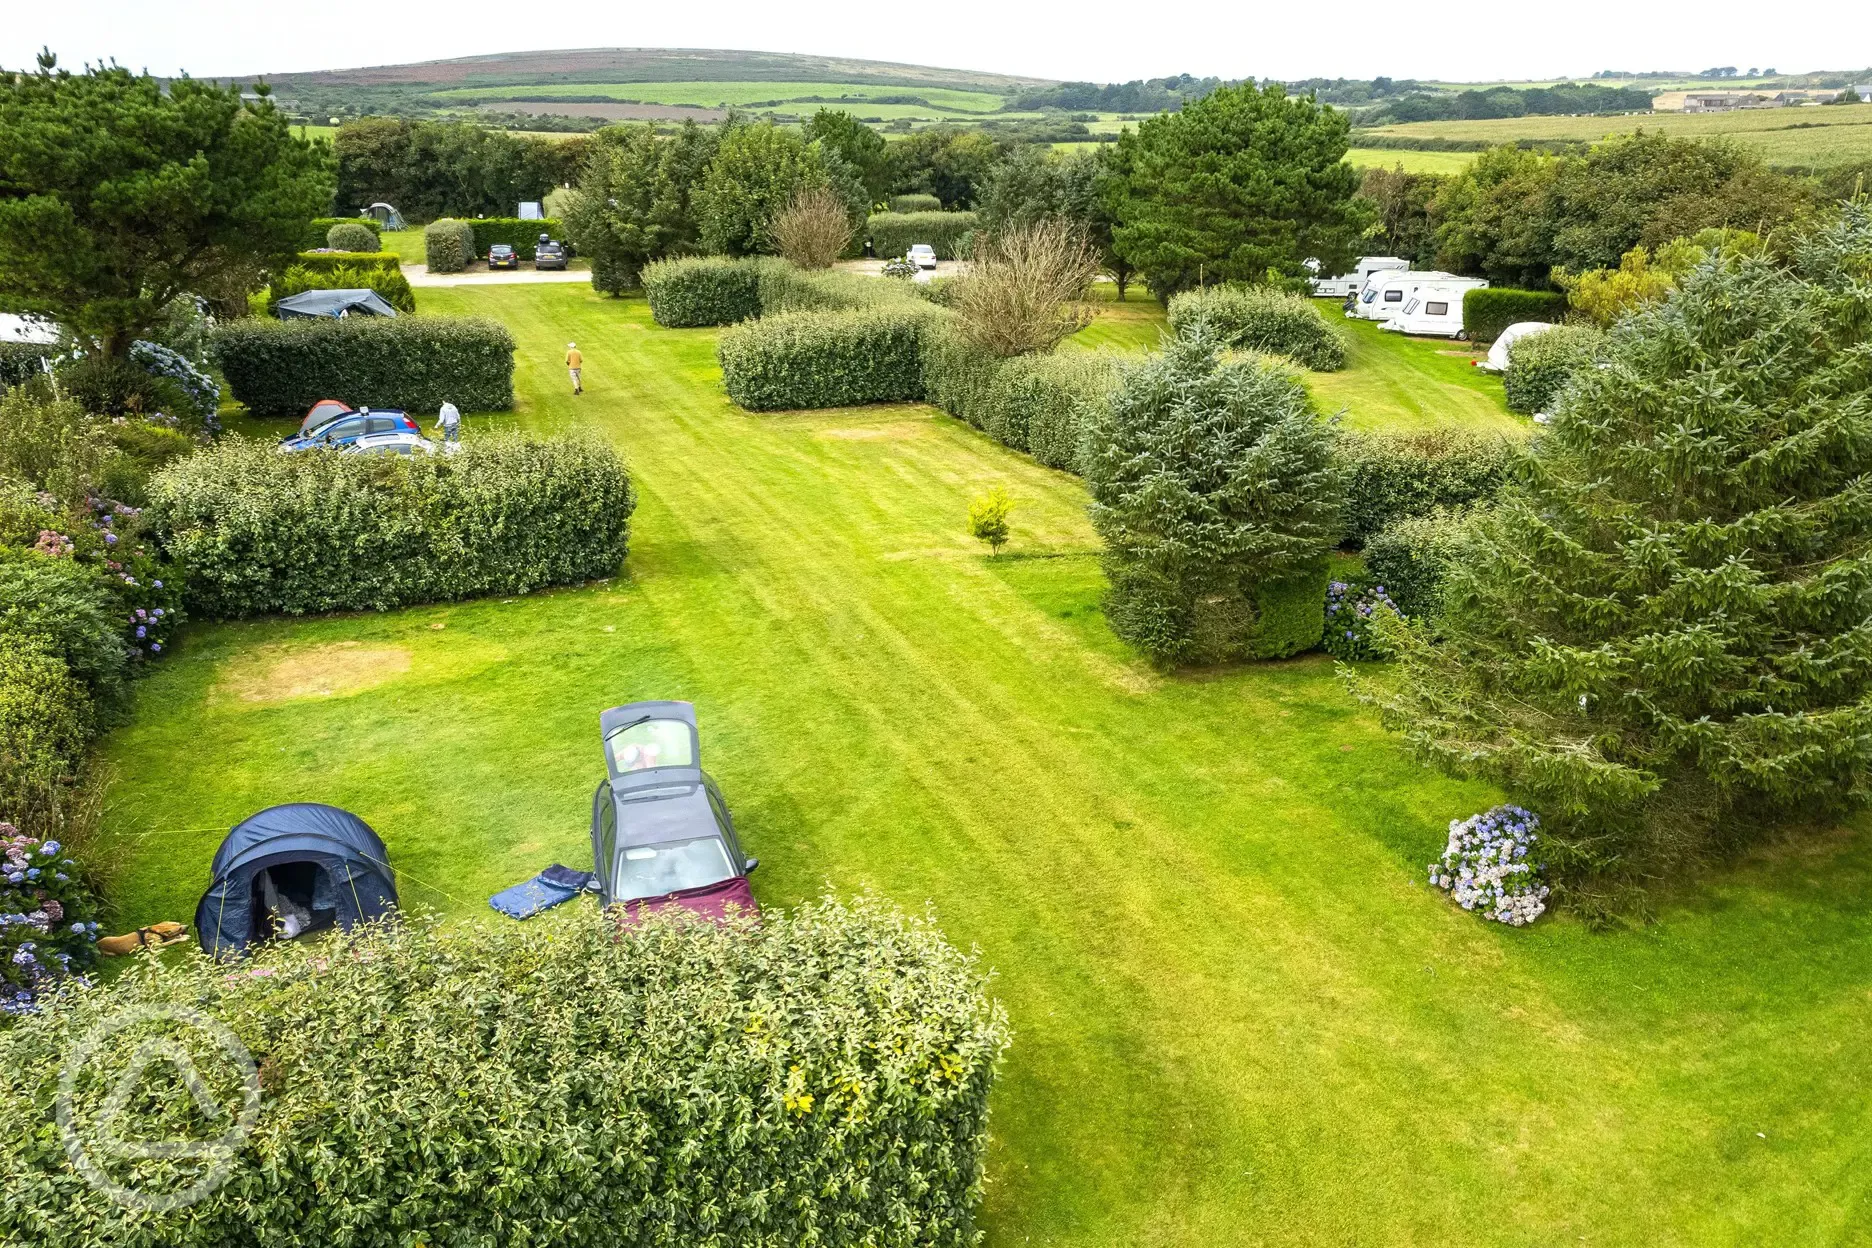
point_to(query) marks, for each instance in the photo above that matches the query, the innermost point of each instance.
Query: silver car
(401, 442)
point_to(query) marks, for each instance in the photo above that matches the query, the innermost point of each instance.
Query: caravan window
(1371, 294)
(1436, 309)
(1394, 296)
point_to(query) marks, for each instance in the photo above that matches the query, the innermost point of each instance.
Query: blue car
(346, 428)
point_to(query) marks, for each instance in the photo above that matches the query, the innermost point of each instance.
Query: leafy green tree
(1661, 637)
(1241, 182)
(945, 161)
(1400, 205)
(988, 519)
(757, 170)
(859, 146)
(636, 201)
(1032, 184)
(433, 169)
(1218, 495)
(117, 195)
(1492, 218)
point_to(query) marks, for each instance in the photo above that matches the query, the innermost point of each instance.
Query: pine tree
(1216, 490)
(1662, 638)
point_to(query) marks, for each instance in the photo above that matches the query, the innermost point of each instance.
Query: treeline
(1558, 100)
(1143, 95)
(432, 169)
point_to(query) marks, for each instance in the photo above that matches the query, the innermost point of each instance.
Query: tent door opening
(291, 899)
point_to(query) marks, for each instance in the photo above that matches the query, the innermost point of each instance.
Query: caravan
(1434, 308)
(1353, 282)
(1385, 292)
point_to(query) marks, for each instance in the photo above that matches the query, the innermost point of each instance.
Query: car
(923, 256)
(348, 427)
(549, 254)
(661, 833)
(503, 256)
(399, 442)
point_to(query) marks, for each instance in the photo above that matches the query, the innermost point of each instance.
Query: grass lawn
(1241, 1015)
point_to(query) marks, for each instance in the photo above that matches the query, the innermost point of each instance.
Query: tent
(333, 303)
(308, 858)
(383, 214)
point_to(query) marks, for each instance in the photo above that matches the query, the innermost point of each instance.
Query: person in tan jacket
(574, 362)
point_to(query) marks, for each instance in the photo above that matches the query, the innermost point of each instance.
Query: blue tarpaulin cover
(333, 303)
(554, 886)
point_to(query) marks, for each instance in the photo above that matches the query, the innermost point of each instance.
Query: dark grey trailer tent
(326, 861)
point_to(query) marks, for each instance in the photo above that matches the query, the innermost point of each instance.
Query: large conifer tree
(1663, 637)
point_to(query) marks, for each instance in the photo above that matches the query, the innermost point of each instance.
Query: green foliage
(318, 233)
(1659, 638)
(388, 282)
(988, 519)
(431, 169)
(1391, 476)
(46, 723)
(862, 149)
(261, 532)
(1239, 182)
(120, 194)
(1488, 311)
(635, 202)
(416, 363)
(703, 290)
(1257, 319)
(22, 361)
(1352, 611)
(1400, 205)
(353, 236)
(1412, 558)
(1540, 365)
(326, 261)
(448, 245)
(827, 359)
(949, 162)
(64, 606)
(1033, 183)
(894, 233)
(1216, 491)
(522, 236)
(1034, 403)
(821, 1076)
(756, 172)
(914, 202)
(784, 287)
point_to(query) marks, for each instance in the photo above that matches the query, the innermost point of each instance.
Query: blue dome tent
(309, 864)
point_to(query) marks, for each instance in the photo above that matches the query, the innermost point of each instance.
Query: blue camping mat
(554, 886)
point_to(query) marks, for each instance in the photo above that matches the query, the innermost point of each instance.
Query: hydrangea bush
(47, 932)
(1486, 868)
(1351, 607)
(203, 391)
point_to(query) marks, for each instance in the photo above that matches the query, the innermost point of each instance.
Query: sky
(1090, 40)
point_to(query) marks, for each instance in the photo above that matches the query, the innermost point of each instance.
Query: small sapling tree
(988, 519)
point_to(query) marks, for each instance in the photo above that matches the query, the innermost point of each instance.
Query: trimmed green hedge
(319, 230)
(261, 532)
(327, 261)
(819, 1077)
(417, 363)
(698, 291)
(387, 281)
(1540, 365)
(1412, 474)
(65, 608)
(1290, 614)
(1488, 311)
(826, 359)
(353, 236)
(785, 287)
(1258, 319)
(1034, 403)
(1411, 558)
(893, 233)
(522, 236)
(448, 245)
(901, 204)
(45, 724)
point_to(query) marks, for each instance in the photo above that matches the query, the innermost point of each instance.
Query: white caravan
(1434, 309)
(1353, 282)
(1385, 291)
(1497, 361)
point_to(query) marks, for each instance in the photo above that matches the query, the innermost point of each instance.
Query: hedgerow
(1412, 557)
(64, 607)
(48, 929)
(1034, 403)
(318, 231)
(388, 282)
(698, 291)
(785, 287)
(1540, 365)
(1412, 474)
(1488, 311)
(915, 202)
(416, 363)
(46, 720)
(819, 1077)
(326, 261)
(522, 236)
(826, 359)
(448, 245)
(261, 532)
(894, 233)
(1270, 321)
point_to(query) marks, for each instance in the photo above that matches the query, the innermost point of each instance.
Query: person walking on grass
(448, 420)
(574, 362)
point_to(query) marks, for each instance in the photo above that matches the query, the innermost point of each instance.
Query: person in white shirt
(448, 420)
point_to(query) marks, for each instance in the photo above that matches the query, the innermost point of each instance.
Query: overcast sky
(1088, 40)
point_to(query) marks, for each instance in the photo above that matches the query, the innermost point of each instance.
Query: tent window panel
(1436, 309)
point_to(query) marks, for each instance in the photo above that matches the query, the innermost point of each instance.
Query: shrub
(1488, 311)
(1257, 319)
(448, 245)
(522, 236)
(1412, 557)
(1412, 474)
(202, 391)
(826, 359)
(812, 230)
(22, 361)
(1351, 607)
(1025, 291)
(1485, 866)
(48, 929)
(45, 724)
(417, 363)
(390, 283)
(318, 232)
(703, 290)
(1216, 491)
(1540, 365)
(819, 1077)
(64, 607)
(353, 236)
(901, 204)
(894, 233)
(783, 287)
(988, 519)
(262, 532)
(327, 261)
(1040, 404)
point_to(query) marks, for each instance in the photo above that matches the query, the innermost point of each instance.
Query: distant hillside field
(1826, 135)
(710, 94)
